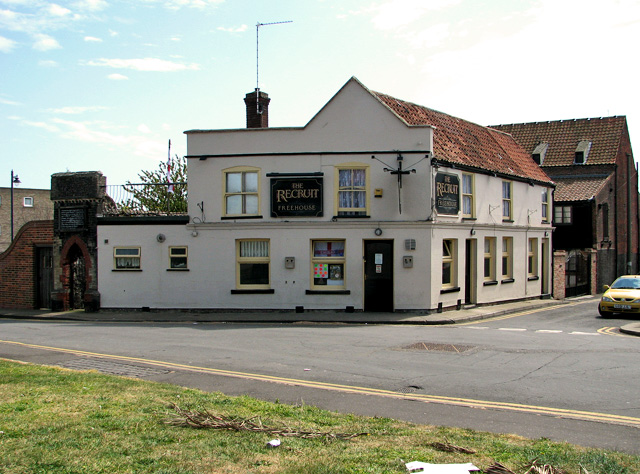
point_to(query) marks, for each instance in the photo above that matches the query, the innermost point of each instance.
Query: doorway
(470, 271)
(44, 277)
(378, 275)
(77, 281)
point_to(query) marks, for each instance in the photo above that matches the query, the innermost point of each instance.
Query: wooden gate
(577, 273)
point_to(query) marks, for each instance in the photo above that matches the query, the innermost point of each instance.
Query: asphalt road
(562, 373)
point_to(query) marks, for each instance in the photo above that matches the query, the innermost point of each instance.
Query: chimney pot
(257, 104)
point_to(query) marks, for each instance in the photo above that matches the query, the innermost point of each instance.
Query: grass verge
(55, 420)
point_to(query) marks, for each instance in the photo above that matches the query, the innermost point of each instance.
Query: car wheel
(604, 314)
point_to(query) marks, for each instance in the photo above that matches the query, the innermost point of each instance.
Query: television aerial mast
(258, 25)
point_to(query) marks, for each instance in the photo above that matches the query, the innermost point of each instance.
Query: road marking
(511, 329)
(580, 333)
(549, 331)
(455, 401)
(613, 331)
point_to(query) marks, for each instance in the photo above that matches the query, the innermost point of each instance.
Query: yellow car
(623, 296)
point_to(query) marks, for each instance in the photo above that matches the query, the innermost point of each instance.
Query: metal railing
(146, 199)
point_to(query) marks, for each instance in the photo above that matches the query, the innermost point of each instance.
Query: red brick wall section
(559, 277)
(18, 265)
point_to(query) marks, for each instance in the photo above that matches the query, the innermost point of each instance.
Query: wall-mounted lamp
(472, 231)
(194, 233)
(546, 233)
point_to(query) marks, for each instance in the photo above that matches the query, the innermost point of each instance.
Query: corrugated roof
(564, 136)
(458, 141)
(577, 189)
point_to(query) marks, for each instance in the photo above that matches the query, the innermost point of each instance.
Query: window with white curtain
(253, 263)
(126, 258)
(352, 191)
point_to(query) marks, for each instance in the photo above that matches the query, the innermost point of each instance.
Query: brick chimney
(257, 109)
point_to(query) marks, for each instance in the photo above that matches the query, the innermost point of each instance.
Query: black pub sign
(447, 193)
(296, 197)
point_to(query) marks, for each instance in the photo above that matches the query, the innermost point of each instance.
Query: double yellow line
(454, 401)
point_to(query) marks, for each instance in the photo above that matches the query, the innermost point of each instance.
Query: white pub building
(377, 204)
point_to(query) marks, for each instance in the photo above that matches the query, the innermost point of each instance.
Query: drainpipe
(629, 208)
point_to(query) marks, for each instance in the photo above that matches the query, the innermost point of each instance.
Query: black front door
(378, 275)
(44, 278)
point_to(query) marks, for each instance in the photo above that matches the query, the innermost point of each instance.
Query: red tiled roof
(457, 141)
(563, 137)
(578, 189)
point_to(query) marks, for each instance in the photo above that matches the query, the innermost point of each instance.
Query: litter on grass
(426, 468)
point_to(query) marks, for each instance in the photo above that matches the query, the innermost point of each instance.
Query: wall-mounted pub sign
(447, 193)
(296, 197)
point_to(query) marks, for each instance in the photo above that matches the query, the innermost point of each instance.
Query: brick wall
(18, 265)
(559, 282)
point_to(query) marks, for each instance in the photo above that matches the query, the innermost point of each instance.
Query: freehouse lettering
(447, 193)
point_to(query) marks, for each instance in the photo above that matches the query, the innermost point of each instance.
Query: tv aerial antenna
(258, 25)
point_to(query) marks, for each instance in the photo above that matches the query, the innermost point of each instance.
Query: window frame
(507, 258)
(532, 257)
(243, 171)
(489, 259)
(469, 196)
(566, 214)
(251, 260)
(24, 201)
(173, 256)
(346, 212)
(545, 205)
(329, 260)
(449, 257)
(137, 256)
(507, 201)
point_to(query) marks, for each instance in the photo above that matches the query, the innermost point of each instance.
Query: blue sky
(104, 84)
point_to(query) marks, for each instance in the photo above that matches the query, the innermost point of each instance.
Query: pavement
(464, 314)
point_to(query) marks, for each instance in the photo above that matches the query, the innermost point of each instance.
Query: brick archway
(71, 296)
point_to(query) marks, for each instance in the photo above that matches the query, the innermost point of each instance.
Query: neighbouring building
(28, 205)
(377, 204)
(596, 195)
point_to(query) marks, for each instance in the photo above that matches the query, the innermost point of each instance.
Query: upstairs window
(539, 152)
(352, 191)
(545, 205)
(241, 192)
(507, 204)
(562, 215)
(28, 202)
(468, 201)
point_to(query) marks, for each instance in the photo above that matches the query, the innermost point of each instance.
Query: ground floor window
(489, 259)
(252, 264)
(178, 257)
(507, 258)
(328, 263)
(126, 258)
(532, 258)
(449, 253)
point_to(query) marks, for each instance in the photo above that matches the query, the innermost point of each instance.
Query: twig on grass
(451, 448)
(205, 420)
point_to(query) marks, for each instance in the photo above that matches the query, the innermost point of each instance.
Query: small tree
(159, 192)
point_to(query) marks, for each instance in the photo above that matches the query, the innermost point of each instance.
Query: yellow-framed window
(532, 258)
(545, 205)
(328, 264)
(253, 264)
(507, 258)
(352, 185)
(241, 191)
(178, 257)
(468, 195)
(507, 201)
(126, 258)
(489, 259)
(449, 258)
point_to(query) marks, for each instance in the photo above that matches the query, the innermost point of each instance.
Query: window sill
(178, 269)
(507, 280)
(328, 292)
(257, 291)
(490, 283)
(533, 278)
(351, 217)
(508, 221)
(449, 290)
(126, 270)
(469, 218)
(232, 218)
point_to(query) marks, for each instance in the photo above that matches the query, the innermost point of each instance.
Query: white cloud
(91, 5)
(117, 77)
(45, 43)
(177, 4)
(56, 10)
(142, 128)
(92, 39)
(142, 64)
(46, 126)
(9, 102)
(234, 29)
(6, 45)
(396, 13)
(47, 63)
(76, 110)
